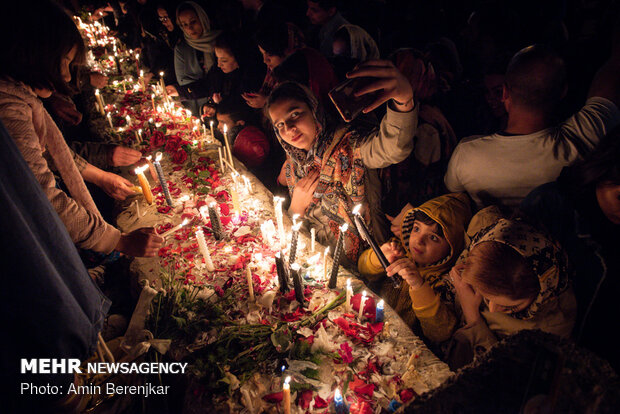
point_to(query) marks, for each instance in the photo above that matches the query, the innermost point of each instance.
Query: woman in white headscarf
(193, 56)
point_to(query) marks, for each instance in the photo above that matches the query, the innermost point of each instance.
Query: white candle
(228, 145)
(219, 156)
(325, 253)
(128, 119)
(174, 229)
(153, 101)
(204, 250)
(100, 102)
(349, 294)
(362, 300)
(248, 274)
(278, 210)
(109, 116)
(286, 396)
(211, 126)
(312, 239)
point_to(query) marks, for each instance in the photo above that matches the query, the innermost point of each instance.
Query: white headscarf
(205, 42)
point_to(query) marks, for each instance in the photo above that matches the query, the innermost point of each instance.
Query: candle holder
(282, 274)
(365, 233)
(298, 284)
(337, 253)
(216, 224)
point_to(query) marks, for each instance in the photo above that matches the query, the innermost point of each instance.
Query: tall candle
(162, 179)
(379, 311)
(349, 293)
(153, 101)
(109, 116)
(282, 274)
(137, 63)
(175, 228)
(204, 250)
(337, 253)
(228, 146)
(312, 239)
(361, 310)
(100, 102)
(248, 275)
(286, 396)
(219, 156)
(365, 233)
(325, 253)
(294, 239)
(119, 71)
(146, 188)
(278, 210)
(216, 224)
(128, 119)
(211, 127)
(298, 284)
(142, 81)
(163, 85)
(235, 200)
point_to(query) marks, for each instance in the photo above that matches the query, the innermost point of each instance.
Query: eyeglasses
(164, 19)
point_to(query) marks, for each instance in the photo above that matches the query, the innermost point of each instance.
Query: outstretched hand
(143, 242)
(389, 83)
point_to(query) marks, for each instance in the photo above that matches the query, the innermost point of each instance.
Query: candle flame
(295, 267)
(212, 204)
(344, 227)
(326, 250)
(210, 123)
(349, 282)
(161, 74)
(158, 156)
(297, 226)
(152, 96)
(287, 380)
(140, 170)
(277, 255)
(149, 157)
(96, 91)
(141, 72)
(357, 208)
(363, 294)
(225, 128)
(381, 304)
(337, 394)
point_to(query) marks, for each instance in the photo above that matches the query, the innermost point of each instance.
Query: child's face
(426, 245)
(225, 120)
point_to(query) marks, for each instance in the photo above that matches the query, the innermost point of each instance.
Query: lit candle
(282, 275)
(140, 135)
(248, 275)
(235, 199)
(294, 239)
(278, 210)
(312, 239)
(119, 71)
(298, 284)
(228, 146)
(100, 102)
(349, 293)
(175, 228)
(339, 405)
(153, 101)
(216, 224)
(137, 62)
(379, 311)
(162, 179)
(146, 188)
(337, 253)
(128, 119)
(163, 85)
(211, 126)
(109, 116)
(142, 81)
(365, 233)
(361, 310)
(286, 396)
(325, 253)
(204, 250)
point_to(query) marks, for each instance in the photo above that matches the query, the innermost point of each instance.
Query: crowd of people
(486, 159)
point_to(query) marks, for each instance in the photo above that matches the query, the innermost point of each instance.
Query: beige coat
(37, 136)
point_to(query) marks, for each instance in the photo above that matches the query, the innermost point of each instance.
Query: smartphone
(348, 105)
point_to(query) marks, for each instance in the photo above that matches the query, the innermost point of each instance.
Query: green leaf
(311, 373)
(181, 322)
(281, 340)
(204, 174)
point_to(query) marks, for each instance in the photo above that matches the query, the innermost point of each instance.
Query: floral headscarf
(544, 255)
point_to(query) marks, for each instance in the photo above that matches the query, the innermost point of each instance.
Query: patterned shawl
(341, 185)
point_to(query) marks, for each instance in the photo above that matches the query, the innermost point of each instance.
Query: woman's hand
(143, 242)
(171, 90)
(468, 298)
(254, 100)
(115, 186)
(389, 83)
(304, 192)
(97, 80)
(396, 223)
(392, 251)
(282, 175)
(123, 156)
(408, 270)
